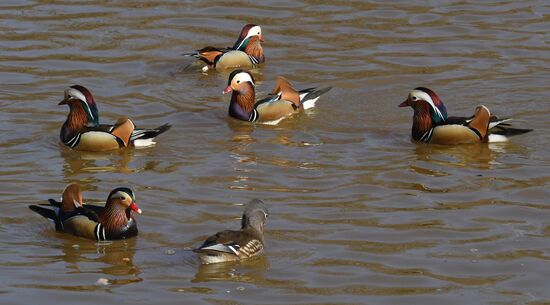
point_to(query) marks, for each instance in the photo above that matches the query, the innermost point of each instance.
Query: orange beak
(135, 208)
(227, 89)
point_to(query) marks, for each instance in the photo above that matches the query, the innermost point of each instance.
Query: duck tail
(192, 54)
(49, 213)
(206, 54)
(495, 121)
(145, 137)
(309, 97)
(506, 130)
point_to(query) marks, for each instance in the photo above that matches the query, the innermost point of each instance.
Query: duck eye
(238, 82)
(414, 98)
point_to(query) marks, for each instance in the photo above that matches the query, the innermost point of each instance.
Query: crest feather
(89, 104)
(435, 101)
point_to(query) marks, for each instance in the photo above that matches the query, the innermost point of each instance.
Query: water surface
(359, 214)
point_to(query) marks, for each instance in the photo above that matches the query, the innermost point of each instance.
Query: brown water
(359, 214)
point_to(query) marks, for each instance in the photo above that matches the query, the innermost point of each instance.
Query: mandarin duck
(432, 125)
(228, 245)
(283, 101)
(82, 130)
(113, 221)
(247, 51)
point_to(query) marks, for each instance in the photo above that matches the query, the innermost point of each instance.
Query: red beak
(63, 102)
(135, 208)
(228, 89)
(404, 104)
(262, 38)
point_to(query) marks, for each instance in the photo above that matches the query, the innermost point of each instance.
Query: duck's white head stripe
(72, 92)
(426, 97)
(243, 77)
(254, 31)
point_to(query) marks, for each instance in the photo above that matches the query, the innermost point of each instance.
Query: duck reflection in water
(242, 133)
(247, 271)
(244, 159)
(77, 162)
(112, 260)
(481, 156)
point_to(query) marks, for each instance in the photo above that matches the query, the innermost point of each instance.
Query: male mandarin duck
(432, 125)
(228, 245)
(82, 130)
(247, 52)
(113, 221)
(283, 101)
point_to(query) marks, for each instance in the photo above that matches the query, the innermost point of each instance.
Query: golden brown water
(359, 214)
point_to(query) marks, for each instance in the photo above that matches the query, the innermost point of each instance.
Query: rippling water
(359, 214)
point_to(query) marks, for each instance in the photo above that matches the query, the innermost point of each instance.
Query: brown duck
(227, 246)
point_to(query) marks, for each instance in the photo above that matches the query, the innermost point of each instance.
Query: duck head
(429, 110)
(123, 198)
(239, 81)
(71, 198)
(82, 106)
(248, 31)
(255, 215)
(423, 98)
(242, 86)
(117, 216)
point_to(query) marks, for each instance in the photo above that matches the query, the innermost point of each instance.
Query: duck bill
(262, 38)
(135, 208)
(405, 104)
(63, 102)
(227, 90)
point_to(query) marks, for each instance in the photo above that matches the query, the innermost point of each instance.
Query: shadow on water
(248, 271)
(119, 161)
(115, 258)
(100, 265)
(480, 156)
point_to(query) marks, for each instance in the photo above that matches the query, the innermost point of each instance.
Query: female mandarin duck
(431, 123)
(227, 246)
(283, 101)
(82, 130)
(114, 221)
(247, 52)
